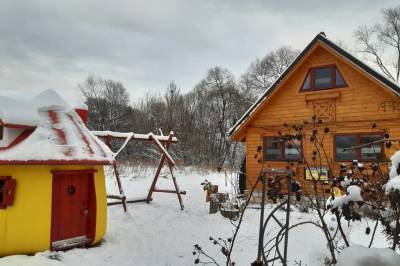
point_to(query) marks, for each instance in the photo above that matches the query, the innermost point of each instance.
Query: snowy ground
(161, 234)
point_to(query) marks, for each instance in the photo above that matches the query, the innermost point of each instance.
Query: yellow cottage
(52, 183)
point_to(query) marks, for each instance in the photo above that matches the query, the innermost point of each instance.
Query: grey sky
(146, 44)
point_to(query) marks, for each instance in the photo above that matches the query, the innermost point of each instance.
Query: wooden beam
(159, 167)
(162, 149)
(128, 201)
(169, 191)
(132, 135)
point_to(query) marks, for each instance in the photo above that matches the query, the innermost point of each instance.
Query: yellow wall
(25, 227)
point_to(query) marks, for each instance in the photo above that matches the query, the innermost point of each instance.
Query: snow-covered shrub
(348, 205)
(393, 185)
(391, 217)
(361, 256)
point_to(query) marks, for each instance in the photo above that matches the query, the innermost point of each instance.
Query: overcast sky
(146, 44)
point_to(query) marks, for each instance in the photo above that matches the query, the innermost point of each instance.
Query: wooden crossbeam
(162, 149)
(128, 201)
(162, 143)
(170, 163)
(169, 191)
(121, 195)
(121, 190)
(158, 171)
(132, 135)
(114, 197)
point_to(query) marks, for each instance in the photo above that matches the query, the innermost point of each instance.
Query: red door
(71, 208)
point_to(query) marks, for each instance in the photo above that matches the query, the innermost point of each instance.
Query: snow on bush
(346, 182)
(394, 182)
(395, 164)
(353, 195)
(361, 256)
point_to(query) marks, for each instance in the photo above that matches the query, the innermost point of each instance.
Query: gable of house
(365, 104)
(369, 93)
(360, 100)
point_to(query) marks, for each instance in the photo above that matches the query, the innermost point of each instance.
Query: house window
(7, 191)
(366, 153)
(371, 152)
(323, 77)
(343, 142)
(277, 150)
(1, 132)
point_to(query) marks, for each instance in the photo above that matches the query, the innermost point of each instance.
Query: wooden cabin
(357, 105)
(52, 183)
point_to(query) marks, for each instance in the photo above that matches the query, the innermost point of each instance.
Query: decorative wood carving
(389, 105)
(325, 110)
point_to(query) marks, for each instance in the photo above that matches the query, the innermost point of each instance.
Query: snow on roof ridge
(52, 107)
(49, 97)
(59, 136)
(13, 111)
(25, 112)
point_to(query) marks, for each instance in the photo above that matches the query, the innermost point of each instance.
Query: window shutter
(8, 192)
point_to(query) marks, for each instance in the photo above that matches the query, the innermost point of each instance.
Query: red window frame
(282, 144)
(7, 191)
(358, 141)
(311, 72)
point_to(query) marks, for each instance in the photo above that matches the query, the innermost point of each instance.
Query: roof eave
(56, 162)
(319, 38)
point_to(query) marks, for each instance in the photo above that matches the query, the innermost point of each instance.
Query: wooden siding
(356, 107)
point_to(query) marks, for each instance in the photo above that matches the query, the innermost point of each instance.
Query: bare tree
(108, 103)
(381, 43)
(262, 72)
(219, 104)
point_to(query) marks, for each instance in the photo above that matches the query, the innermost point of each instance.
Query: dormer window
(323, 77)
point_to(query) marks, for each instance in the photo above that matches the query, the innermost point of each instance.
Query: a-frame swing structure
(163, 143)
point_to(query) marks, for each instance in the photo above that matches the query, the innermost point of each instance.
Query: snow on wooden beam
(162, 148)
(131, 135)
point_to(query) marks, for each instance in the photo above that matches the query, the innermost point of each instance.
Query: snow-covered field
(161, 234)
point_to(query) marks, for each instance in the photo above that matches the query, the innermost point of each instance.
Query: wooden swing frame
(163, 143)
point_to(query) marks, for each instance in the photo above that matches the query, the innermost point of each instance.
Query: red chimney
(83, 113)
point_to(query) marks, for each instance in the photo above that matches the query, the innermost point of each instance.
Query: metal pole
(287, 219)
(258, 261)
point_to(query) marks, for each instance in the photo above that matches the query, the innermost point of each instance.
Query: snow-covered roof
(25, 112)
(60, 136)
(17, 112)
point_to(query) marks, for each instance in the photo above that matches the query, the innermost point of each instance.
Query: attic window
(323, 77)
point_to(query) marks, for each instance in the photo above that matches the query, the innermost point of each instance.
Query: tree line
(201, 117)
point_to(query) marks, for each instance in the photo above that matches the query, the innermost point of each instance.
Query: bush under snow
(362, 256)
(394, 183)
(353, 195)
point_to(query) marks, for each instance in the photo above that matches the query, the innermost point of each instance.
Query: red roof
(61, 137)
